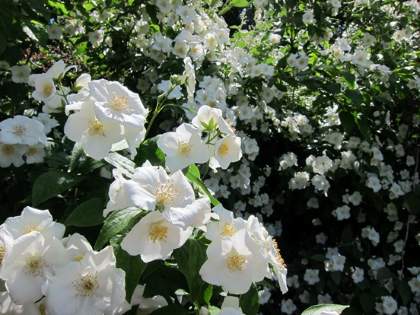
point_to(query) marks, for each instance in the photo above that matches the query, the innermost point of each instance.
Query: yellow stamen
(34, 265)
(19, 130)
(184, 148)
(2, 253)
(278, 256)
(165, 194)
(8, 149)
(223, 149)
(158, 231)
(228, 230)
(87, 285)
(119, 103)
(31, 151)
(96, 128)
(236, 262)
(47, 89)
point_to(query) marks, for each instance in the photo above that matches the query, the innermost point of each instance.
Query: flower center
(158, 231)
(119, 103)
(31, 151)
(78, 257)
(164, 195)
(2, 253)
(8, 149)
(47, 89)
(87, 285)
(96, 128)
(228, 230)
(236, 262)
(34, 265)
(223, 149)
(19, 130)
(31, 228)
(184, 148)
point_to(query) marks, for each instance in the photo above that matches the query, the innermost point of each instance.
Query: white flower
(11, 154)
(311, 276)
(20, 74)
(371, 234)
(147, 305)
(96, 37)
(96, 136)
(308, 17)
(226, 226)
(358, 275)
(234, 263)
(48, 122)
(183, 147)
(389, 305)
(116, 102)
(300, 180)
(227, 150)
(208, 116)
(78, 247)
(342, 213)
(35, 154)
(44, 88)
(92, 286)
(288, 307)
(230, 306)
(153, 237)
(22, 130)
(31, 220)
(54, 31)
(197, 214)
(151, 188)
(28, 263)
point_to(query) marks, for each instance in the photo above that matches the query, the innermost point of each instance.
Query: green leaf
(171, 309)
(191, 176)
(59, 6)
(132, 265)
(348, 121)
(118, 222)
(51, 184)
(318, 309)
(190, 257)
(149, 151)
(239, 3)
(249, 301)
(88, 213)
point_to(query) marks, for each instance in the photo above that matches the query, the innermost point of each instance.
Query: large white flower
(234, 263)
(95, 135)
(153, 237)
(93, 286)
(227, 150)
(28, 263)
(116, 102)
(152, 188)
(32, 219)
(183, 147)
(269, 249)
(78, 247)
(44, 88)
(22, 130)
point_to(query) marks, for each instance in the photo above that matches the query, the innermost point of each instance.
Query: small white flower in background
(227, 150)
(298, 60)
(371, 234)
(288, 307)
(31, 220)
(45, 88)
(234, 263)
(96, 136)
(308, 17)
(35, 154)
(20, 73)
(183, 147)
(48, 122)
(32, 259)
(54, 31)
(92, 286)
(300, 180)
(389, 305)
(153, 237)
(96, 38)
(342, 213)
(22, 130)
(358, 274)
(311, 276)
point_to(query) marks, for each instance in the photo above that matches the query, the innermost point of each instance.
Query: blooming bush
(139, 123)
